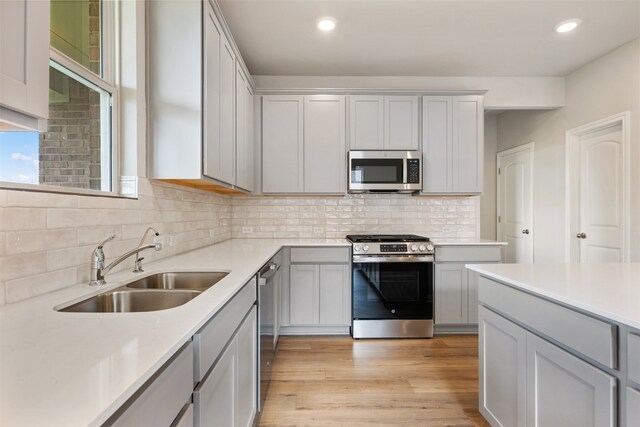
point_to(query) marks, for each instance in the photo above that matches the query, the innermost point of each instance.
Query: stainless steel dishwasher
(269, 321)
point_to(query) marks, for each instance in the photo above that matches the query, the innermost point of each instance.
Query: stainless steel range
(392, 295)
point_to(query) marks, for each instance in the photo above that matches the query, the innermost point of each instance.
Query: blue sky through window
(19, 157)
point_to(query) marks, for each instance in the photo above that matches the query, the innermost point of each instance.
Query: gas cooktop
(379, 238)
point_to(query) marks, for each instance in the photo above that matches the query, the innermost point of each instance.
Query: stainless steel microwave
(384, 171)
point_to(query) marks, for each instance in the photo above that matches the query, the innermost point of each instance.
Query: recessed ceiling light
(568, 25)
(326, 23)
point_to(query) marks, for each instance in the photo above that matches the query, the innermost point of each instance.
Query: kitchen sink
(130, 300)
(179, 280)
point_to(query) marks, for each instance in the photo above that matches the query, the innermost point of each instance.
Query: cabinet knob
(581, 236)
(525, 231)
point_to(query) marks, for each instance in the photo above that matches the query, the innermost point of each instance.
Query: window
(77, 149)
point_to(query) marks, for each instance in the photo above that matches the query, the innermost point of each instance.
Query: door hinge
(499, 219)
(499, 172)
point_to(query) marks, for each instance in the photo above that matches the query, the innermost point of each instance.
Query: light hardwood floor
(337, 381)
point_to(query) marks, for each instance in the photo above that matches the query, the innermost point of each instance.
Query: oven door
(392, 287)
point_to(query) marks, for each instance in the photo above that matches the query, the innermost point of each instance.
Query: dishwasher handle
(267, 272)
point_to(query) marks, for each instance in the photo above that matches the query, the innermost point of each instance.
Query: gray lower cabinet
(456, 288)
(161, 400)
(548, 365)
(227, 395)
(503, 369)
(320, 294)
(563, 391)
(527, 381)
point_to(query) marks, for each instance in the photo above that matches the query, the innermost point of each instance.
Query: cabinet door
(503, 370)
(633, 407)
(282, 154)
(24, 68)
(366, 122)
(468, 144)
(215, 398)
(562, 390)
(247, 370)
(401, 122)
(324, 144)
(437, 140)
(211, 137)
(303, 291)
(450, 294)
(227, 112)
(335, 295)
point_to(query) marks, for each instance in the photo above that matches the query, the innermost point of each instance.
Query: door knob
(581, 236)
(525, 231)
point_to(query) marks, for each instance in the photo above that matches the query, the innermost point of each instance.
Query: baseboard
(314, 330)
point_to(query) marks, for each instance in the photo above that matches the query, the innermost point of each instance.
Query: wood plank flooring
(338, 381)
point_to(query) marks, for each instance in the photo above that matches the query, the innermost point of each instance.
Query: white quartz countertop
(608, 290)
(76, 369)
(467, 242)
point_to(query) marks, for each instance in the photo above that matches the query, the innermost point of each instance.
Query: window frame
(108, 81)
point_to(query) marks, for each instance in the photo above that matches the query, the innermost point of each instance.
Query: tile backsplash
(46, 239)
(334, 217)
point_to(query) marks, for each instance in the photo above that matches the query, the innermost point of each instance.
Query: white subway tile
(100, 202)
(2, 294)
(22, 265)
(33, 241)
(40, 199)
(3, 243)
(68, 218)
(14, 219)
(71, 257)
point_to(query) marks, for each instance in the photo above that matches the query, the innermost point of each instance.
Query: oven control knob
(357, 247)
(423, 248)
(430, 247)
(365, 248)
(414, 248)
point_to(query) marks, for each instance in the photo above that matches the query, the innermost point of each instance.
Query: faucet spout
(155, 246)
(98, 269)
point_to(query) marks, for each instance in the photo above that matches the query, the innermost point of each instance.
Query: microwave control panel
(413, 171)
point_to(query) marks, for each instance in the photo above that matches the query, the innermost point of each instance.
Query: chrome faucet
(137, 268)
(98, 270)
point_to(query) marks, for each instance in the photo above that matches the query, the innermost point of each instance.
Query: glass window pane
(75, 151)
(75, 31)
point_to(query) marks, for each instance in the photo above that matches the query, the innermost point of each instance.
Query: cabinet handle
(581, 236)
(525, 231)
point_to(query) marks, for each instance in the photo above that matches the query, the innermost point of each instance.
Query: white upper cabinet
(24, 67)
(383, 122)
(452, 144)
(303, 144)
(400, 123)
(244, 131)
(282, 144)
(324, 144)
(198, 113)
(366, 122)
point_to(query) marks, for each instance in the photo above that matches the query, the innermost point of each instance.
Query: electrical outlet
(318, 230)
(172, 241)
(247, 229)
(446, 228)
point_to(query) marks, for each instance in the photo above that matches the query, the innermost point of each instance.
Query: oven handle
(379, 259)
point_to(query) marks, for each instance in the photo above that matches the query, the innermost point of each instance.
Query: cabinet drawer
(633, 356)
(591, 337)
(468, 254)
(318, 255)
(161, 400)
(212, 338)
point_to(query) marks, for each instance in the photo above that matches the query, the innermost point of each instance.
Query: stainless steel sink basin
(129, 300)
(183, 280)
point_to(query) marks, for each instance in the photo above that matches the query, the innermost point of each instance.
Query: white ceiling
(427, 37)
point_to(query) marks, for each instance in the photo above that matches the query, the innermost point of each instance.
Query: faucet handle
(108, 239)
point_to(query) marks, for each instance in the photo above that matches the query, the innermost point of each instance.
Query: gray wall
(607, 86)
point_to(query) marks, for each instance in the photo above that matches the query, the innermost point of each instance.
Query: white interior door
(515, 203)
(601, 220)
